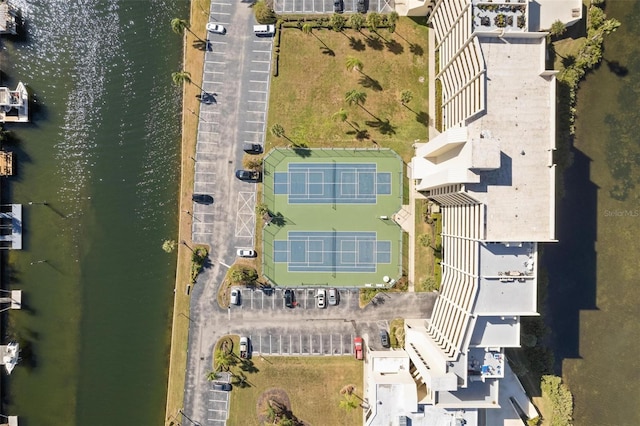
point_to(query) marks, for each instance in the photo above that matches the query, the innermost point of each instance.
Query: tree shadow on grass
(422, 118)
(375, 43)
(394, 47)
(370, 83)
(383, 126)
(327, 51)
(356, 44)
(416, 49)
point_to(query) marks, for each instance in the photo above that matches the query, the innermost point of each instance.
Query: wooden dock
(6, 163)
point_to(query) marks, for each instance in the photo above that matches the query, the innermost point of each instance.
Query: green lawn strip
(312, 384)
(424, 256)
(311, 87)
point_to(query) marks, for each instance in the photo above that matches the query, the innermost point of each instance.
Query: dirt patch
(272, 395)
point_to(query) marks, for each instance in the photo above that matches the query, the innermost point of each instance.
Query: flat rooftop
(520, 116)
(508, 281)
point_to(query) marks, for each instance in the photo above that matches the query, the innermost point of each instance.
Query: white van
(264, 30)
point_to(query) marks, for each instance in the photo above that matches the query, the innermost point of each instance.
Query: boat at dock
(14, 104)
(11, 356)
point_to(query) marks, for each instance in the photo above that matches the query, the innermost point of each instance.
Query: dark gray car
(384, 338)
(222, 387)
(252, 148)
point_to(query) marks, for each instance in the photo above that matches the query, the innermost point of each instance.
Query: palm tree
(355, 96)
(212, 375)
(348, 403)
(181, 77)
(373, 20)
(307, 28)
(223, 359)
(169, 245)
(342, 115)
(277, 130)
(354, 64)
(393, 18)
(179, 25)
(405, 97)
(357, 21)
(557, 28)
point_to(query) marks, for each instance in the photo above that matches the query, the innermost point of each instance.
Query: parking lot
(272, 299)
(217, 406)
(302, 344)
(326, 6)
(235, 85)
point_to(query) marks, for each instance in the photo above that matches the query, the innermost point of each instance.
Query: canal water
(594, 296)
(103, 153)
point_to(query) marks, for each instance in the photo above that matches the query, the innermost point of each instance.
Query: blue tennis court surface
(332, 251)
(327, 183)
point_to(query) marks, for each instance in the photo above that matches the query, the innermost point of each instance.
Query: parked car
(222, 387)
(338, 6)
(235, 296)
(202, 198)
(248, 175)
(264, 30)
(216, 28)
(321, 295)
(334, 297)
(246, 253)
(362, 8)
(289, 298)
(384, 338)
(252, 148)
(357, 347)
(245, 350)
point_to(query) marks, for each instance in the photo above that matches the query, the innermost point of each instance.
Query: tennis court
(332, 213)
(332, 251)
(344, 183)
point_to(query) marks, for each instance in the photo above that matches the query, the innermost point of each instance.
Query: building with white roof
(491, 171)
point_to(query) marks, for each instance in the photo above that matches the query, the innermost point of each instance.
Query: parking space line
(261, 51)
(262, 72)
(257, 91)
(258, 122)
(217, 42)
(217, 62)
(260, 62)
(258, 81)
(222, 13)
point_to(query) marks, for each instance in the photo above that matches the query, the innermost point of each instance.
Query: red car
(357, 347)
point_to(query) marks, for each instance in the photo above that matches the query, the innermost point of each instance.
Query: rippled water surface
(103, 153)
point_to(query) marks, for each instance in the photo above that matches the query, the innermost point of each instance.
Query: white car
(235, 296)
(246, 253)
(320, 298)
(216, 28)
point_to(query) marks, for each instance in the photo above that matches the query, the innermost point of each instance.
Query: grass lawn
(193, 63)
(312, 83)
(312, 383)
(425, 267)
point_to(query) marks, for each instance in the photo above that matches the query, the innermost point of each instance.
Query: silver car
(235, 296)
(334, 297)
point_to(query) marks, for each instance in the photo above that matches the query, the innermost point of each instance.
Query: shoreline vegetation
(193, 63)
(574, 57)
